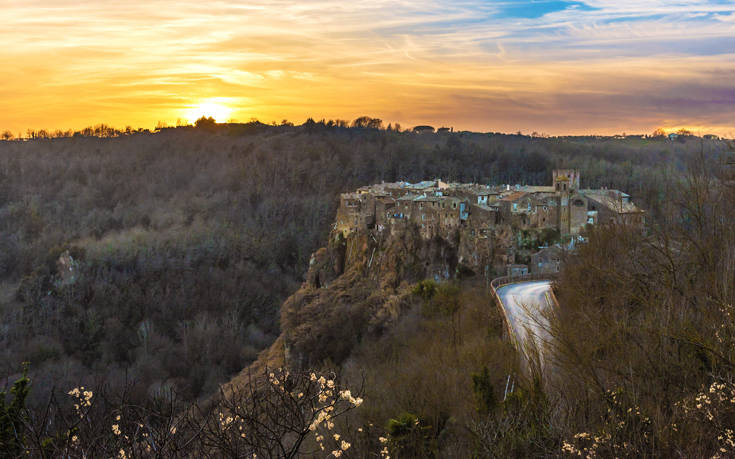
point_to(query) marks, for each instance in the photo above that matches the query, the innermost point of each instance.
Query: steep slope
(357, 287)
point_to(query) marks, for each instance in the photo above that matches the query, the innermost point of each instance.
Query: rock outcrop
(359, 285)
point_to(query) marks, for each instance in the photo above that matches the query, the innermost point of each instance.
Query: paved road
(522, 303)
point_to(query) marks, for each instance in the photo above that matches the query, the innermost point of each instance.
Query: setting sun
(216, 108)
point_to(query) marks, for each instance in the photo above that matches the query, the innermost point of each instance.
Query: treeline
(100, 130)
(363, 122)
(187, 241)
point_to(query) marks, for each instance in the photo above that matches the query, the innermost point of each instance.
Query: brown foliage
(645, 317)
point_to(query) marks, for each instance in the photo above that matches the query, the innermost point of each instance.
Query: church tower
(566, 182)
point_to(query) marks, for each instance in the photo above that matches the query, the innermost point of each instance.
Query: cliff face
(359, 284)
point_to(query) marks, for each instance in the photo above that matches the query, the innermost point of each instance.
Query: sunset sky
(557, 67)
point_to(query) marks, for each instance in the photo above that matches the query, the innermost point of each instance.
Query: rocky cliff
(359, 285)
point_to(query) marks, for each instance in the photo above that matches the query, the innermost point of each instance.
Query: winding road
(522, 302)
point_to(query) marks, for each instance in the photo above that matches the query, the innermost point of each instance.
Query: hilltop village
(509, 229)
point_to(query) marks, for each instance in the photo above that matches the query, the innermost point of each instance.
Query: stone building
(613, 206)
(485, 215)
(546, 260)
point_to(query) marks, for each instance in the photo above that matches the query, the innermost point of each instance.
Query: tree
(422, 129)
(484, 393)
(658, 133)
(365, 122)
(277, 414)
(13, 417)
(408, 436)
(205, 123)
(7, 135)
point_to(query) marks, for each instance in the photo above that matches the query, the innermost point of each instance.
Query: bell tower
(566, 179)
(566, 182)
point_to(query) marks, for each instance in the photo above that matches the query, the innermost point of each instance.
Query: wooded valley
(187, 241)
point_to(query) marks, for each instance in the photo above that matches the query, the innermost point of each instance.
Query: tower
(566, 179)
(566, 182)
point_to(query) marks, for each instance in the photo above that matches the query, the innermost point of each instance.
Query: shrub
(484, 392)
(409, 437)
(425, 289)
(13, 417)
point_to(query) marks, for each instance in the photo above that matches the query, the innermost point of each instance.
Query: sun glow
(216, 108)
(420, 63)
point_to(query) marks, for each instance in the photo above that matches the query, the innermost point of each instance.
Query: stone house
(516, 270)
(613, 206)
(546, 260)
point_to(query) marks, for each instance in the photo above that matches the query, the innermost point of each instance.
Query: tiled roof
(612, 199)
(421, 185)
(539, 189)
(516, 195)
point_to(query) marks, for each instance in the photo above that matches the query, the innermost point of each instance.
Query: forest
(186, 241)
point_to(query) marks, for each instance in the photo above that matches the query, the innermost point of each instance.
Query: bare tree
(269, 415)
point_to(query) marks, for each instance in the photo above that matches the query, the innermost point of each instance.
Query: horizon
(33, 134)
(560, 68)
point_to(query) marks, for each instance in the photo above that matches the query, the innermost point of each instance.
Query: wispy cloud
(554, 66)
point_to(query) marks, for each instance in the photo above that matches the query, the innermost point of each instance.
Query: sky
(547, 66)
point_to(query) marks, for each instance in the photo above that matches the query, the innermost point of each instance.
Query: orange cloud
(613, 67)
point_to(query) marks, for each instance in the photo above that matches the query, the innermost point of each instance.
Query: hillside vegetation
(186, 243)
